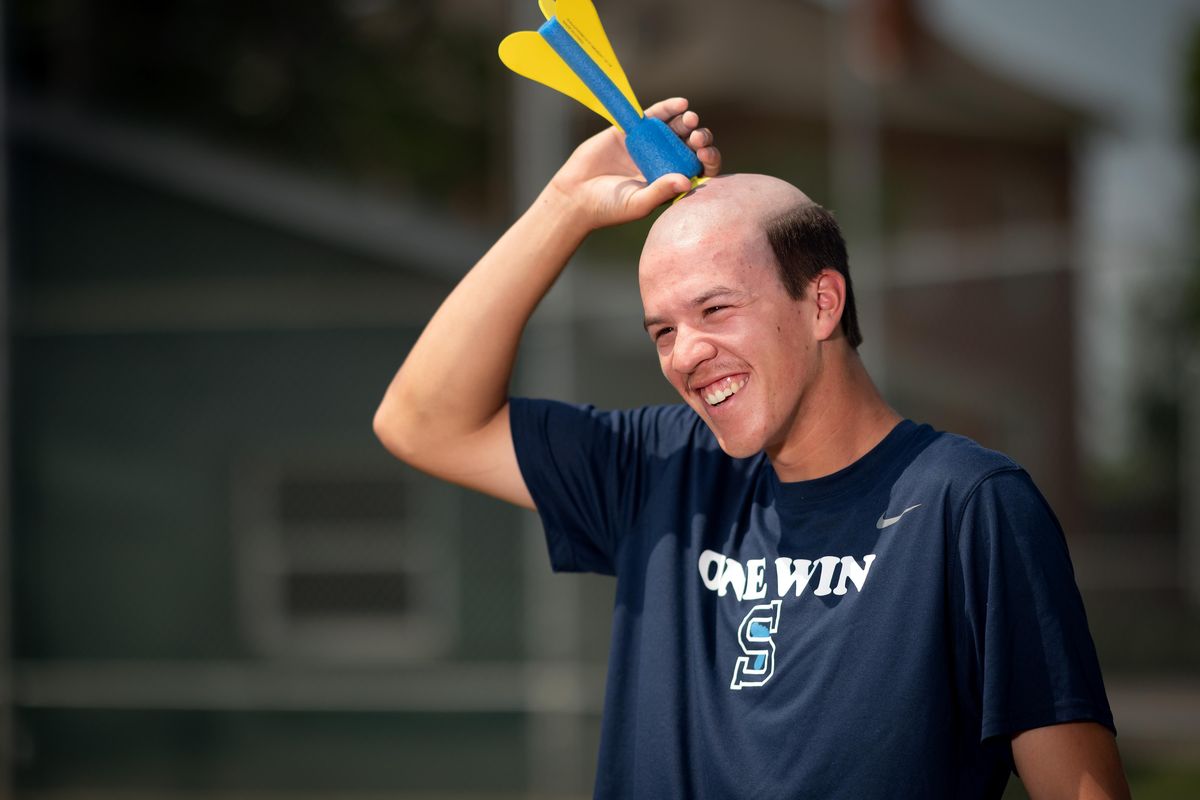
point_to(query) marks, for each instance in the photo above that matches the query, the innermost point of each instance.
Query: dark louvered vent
(345, 548)
(340, 560)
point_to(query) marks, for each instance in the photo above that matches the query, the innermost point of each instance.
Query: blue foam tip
(657, 151)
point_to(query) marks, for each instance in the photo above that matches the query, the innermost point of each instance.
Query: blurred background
(226, 222)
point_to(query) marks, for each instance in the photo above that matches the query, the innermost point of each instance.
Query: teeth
(728, 388)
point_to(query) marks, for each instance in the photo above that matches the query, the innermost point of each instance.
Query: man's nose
(691, 350)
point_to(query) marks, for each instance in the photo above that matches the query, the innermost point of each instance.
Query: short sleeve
(1032, 661)
(587, 471)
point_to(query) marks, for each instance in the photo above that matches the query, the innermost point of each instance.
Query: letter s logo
(754, 635)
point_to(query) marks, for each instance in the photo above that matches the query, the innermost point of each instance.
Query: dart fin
(571, 54)
(580, 19)
(529, 55)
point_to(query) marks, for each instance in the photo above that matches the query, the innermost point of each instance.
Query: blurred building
(227, 227)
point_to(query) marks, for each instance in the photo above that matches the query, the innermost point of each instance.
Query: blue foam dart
(571, 53)
(653, 146)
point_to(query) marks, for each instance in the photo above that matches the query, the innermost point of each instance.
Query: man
(815, 597)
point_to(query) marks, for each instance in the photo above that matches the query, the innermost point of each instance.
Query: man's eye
(712, 310)
(661, 332)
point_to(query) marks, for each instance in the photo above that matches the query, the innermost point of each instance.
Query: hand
(604, 185)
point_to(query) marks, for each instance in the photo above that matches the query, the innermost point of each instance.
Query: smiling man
(815, 597)
(764, 354)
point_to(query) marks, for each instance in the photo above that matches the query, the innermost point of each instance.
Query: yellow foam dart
(571, 54)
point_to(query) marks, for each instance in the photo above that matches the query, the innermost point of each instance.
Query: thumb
(650, 197)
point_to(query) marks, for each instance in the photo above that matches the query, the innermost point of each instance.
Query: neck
(840, 419)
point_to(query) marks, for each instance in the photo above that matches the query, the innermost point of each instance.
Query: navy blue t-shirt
(880, 632)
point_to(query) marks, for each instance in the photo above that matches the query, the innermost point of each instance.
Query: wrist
(564, 212)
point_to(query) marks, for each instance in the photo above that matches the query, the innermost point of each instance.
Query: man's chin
(737, 449)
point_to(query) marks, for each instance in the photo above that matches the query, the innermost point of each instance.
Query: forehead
(700, 255)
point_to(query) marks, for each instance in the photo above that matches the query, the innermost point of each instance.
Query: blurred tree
(1171, 318)
(1190, 297)
(389, 93)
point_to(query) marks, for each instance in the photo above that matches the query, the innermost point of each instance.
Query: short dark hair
(806, 239)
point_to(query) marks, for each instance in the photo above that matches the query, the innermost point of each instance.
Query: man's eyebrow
(716, 291)
(711, 293)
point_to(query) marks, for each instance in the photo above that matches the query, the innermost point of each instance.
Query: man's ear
(829, 292)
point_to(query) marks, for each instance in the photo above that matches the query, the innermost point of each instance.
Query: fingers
(683, 124)
(666, 109)
(686, 125)
(710, 159)
(699, 139)
(645, 199)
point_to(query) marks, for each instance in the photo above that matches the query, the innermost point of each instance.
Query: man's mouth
(718, 392)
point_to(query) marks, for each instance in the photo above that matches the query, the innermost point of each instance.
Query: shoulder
(665, 430)
(961, 458)
(984, 494)
(956, 467)
(656, 430)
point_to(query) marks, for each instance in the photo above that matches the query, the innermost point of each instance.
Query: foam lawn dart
(571, 54)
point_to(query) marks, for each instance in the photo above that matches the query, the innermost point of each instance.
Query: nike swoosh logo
(887, 522)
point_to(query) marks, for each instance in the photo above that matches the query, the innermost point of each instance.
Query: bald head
(738, 205)
(752, 219)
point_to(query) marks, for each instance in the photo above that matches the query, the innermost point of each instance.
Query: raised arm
(446, 410)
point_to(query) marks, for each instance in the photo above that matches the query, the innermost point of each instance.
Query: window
(345, 562)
